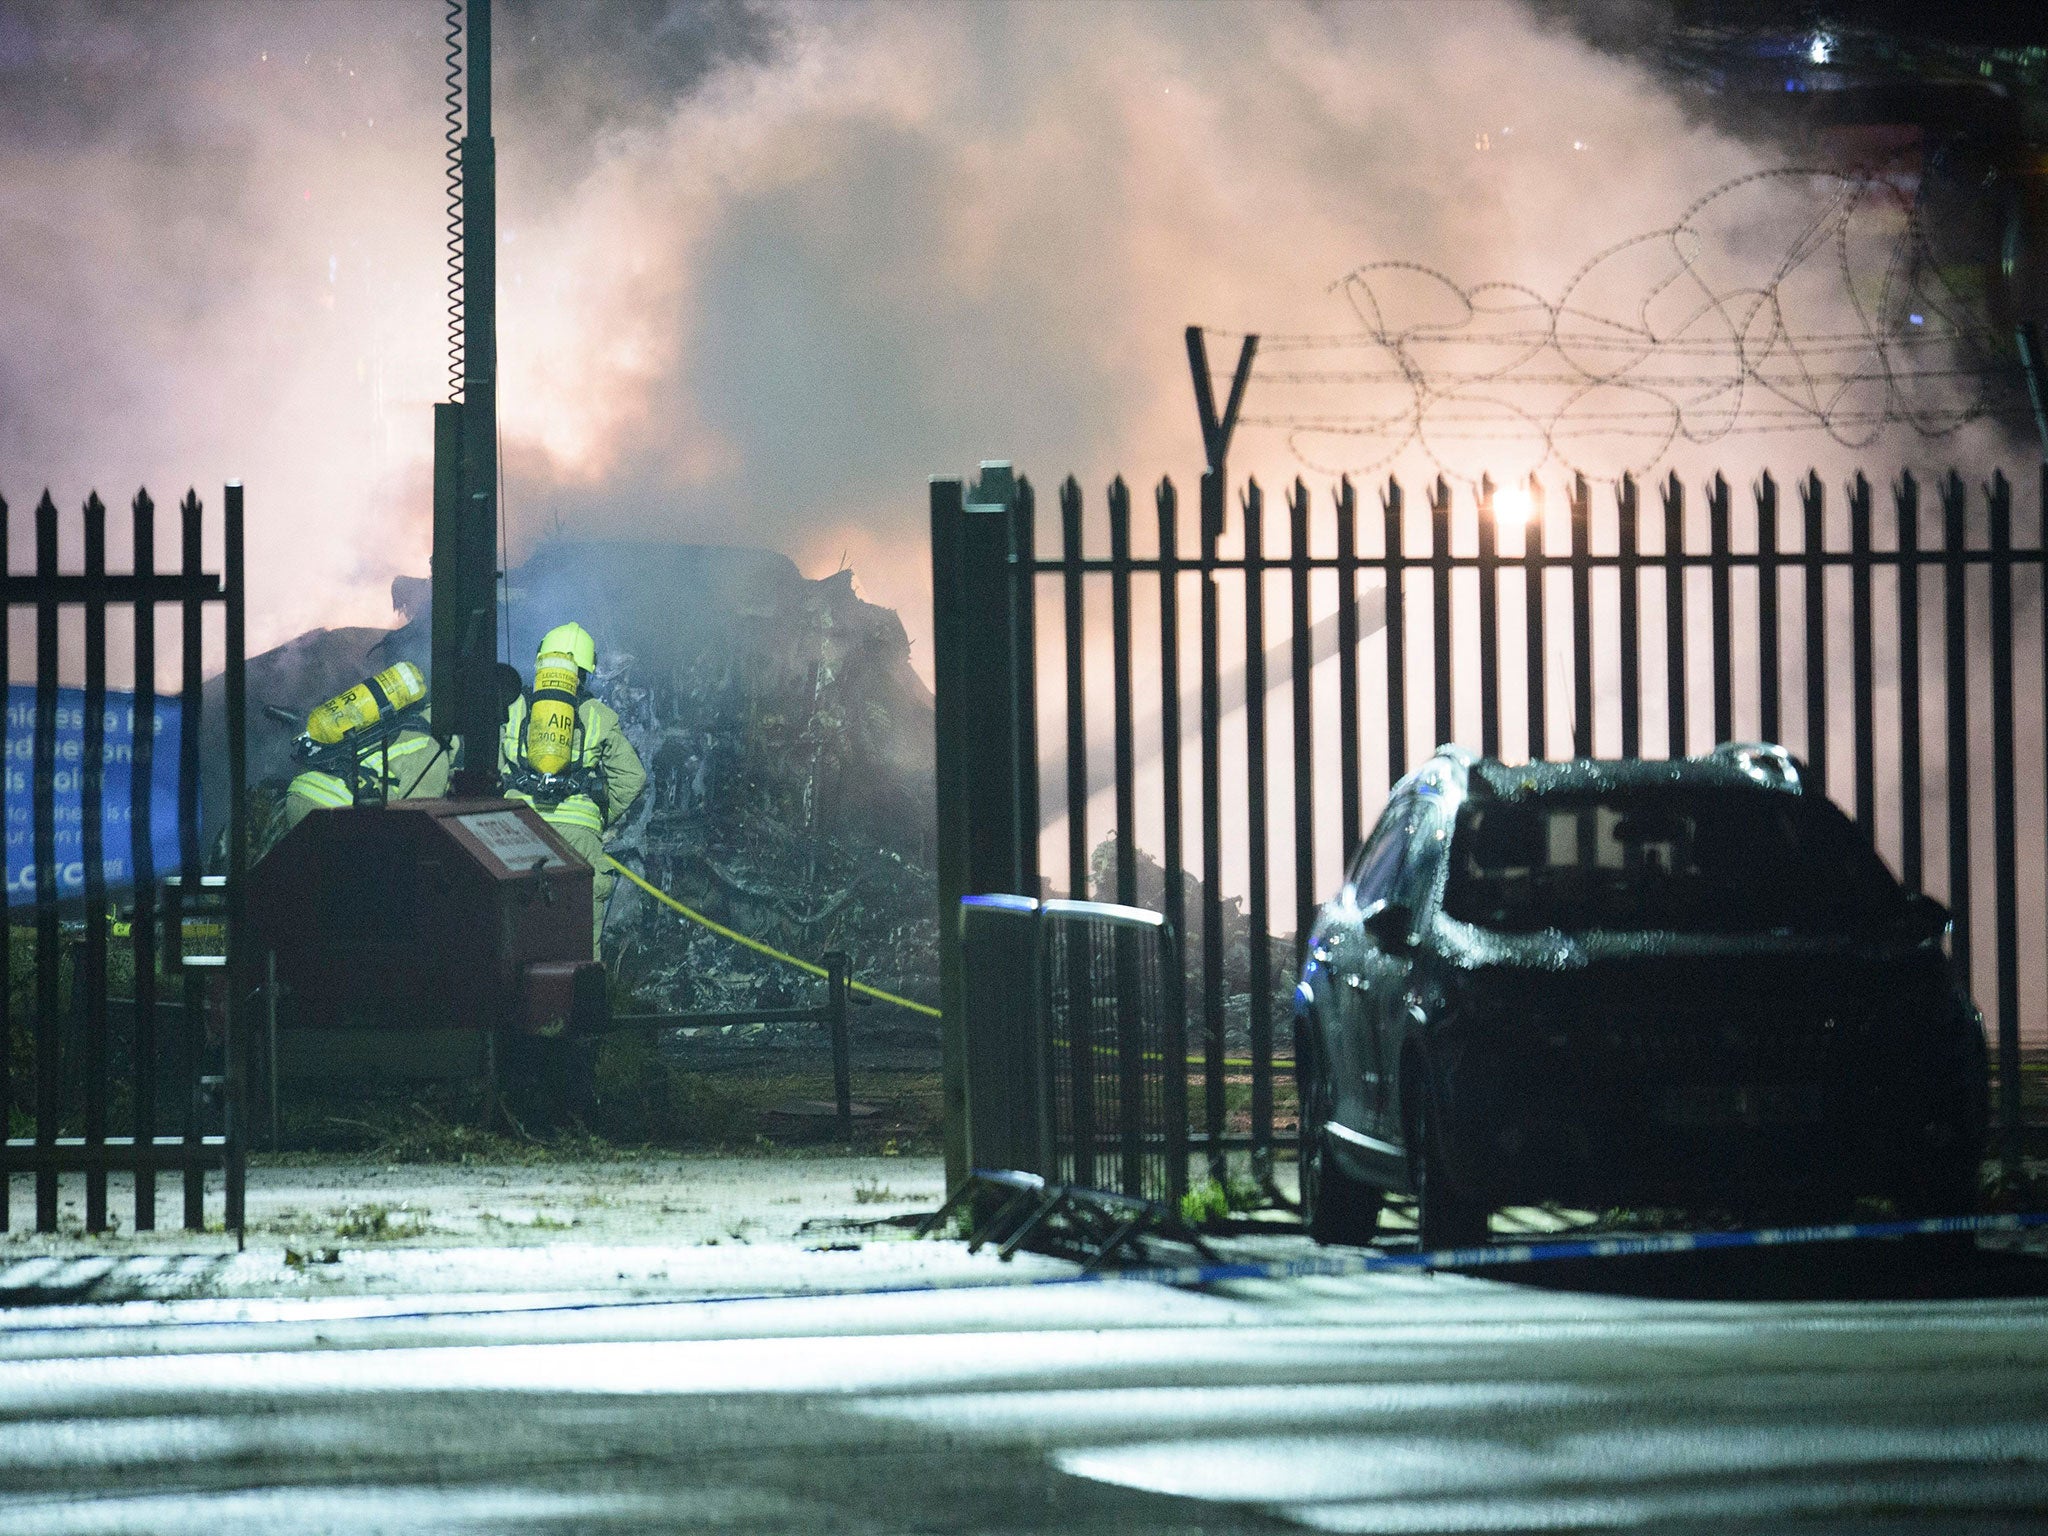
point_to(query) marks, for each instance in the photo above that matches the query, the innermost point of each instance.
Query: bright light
(1513, 504)
(1821, 49)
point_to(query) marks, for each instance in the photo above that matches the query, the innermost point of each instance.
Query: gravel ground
(355, 1227)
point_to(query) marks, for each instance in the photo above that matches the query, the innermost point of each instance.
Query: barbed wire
(1827, 311)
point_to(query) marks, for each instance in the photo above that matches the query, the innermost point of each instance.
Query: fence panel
(1077, 1050)
(1965, 582)
(96, 1103)
(1115, 1051)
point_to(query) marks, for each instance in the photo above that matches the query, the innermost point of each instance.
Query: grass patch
(378, 1223)
(1208, 1201)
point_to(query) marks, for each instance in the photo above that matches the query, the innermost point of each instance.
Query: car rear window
(1699, 861)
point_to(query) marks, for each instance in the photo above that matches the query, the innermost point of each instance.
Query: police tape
(766, 949)
(1183, 1276)
(1500, 1255)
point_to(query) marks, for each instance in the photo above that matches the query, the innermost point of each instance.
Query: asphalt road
(1382, 1404)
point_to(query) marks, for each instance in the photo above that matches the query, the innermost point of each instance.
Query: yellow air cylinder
(551, 715)
(395, 688)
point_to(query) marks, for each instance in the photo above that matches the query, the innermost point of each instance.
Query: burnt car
(1688, 984)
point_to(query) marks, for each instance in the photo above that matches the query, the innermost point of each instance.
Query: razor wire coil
(452, 98)
(1694, 359)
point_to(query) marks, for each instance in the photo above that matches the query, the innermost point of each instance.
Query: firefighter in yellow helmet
(350, 732)
(564, 753)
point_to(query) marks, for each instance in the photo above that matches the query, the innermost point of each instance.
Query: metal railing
(1079, 1052)
(831, 1013)
(1881, 646)
(173, 1107)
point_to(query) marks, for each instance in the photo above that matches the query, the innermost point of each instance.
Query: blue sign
(119, 756)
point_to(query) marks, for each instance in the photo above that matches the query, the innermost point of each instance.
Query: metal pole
(1535, 554)
(1911, 812)
(1350, 811)
(1259, 958)
(142, 855)
(235, 583)
(951, 682)
(1956, 696)
(191, 866)
(1719, 582)
(1440, 605)
(89, 973)
(1767, 647)
(466, 455)
(1628, 525)
(1489, 622)
(44, 799)
(1862, 656)
(1174, 895)
(1582, 617)
(1394, 563)
(2005, 825)
(270, 1045)
(1814, 557)
(1675, 739)
(6, 932)
(842, 1056)
(2030, 363)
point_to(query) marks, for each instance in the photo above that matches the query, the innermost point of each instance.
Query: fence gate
(1077, 1050)
(1887, 645)
(124, 995)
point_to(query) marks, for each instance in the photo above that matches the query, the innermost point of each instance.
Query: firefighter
(563, 752)
(411, 764)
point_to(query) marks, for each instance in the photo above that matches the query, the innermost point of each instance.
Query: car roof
(1455, 774)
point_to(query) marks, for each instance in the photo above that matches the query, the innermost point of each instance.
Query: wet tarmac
(1868, 1387)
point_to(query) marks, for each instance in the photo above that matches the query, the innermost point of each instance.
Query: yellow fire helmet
(572, 641)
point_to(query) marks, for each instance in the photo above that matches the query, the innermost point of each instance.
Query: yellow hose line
(766, 949)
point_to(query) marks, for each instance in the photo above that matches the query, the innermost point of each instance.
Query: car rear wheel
(1335, 1207)
(1444, 1216)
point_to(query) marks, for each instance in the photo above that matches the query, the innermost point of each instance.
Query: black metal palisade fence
(138, 1084)
(1652, 626)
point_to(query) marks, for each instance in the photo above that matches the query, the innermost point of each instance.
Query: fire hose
(764, 949)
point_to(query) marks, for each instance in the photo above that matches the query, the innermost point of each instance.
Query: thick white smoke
(763, 269)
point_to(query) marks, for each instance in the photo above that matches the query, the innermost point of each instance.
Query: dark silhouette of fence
(1634, 616)
(141, 1084)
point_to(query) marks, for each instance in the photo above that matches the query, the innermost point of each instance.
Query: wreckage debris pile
(788, 745)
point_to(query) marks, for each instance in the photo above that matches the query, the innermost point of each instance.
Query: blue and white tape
(1499, 1255)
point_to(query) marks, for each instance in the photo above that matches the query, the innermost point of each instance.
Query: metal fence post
(950, 683)
(90, 968)
(982, 831)
(2005, 825)
(192, 696)
(235, 1040)
(142, 853)
(842, 1050)
(48, 949)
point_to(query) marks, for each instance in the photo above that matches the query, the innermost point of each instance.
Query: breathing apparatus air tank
(551, 715)
(396, 688)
